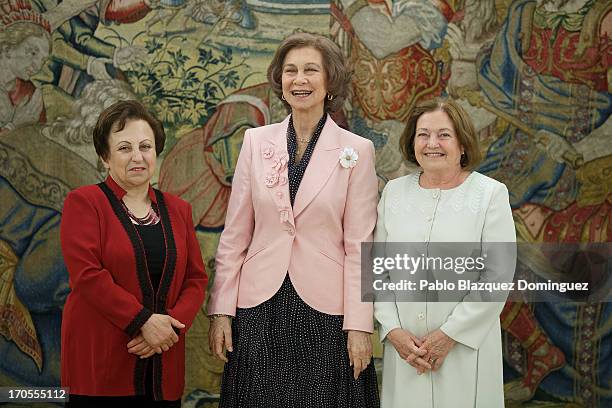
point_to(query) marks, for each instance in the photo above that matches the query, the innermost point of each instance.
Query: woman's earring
(330, 97)
(283, 97)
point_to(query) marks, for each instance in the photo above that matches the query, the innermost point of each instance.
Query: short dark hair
(464, 128)
(334, 63)
(113, 119)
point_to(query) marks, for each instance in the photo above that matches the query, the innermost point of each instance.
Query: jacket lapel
(276, 158)
(324, 160)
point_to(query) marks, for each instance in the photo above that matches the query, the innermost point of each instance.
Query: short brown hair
(113, 119)
(464, 128)
(336, 68)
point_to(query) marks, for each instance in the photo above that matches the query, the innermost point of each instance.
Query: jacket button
(421, 316)
(291, 231)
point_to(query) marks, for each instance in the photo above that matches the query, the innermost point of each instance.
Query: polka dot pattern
(297, 170)
(289, 355)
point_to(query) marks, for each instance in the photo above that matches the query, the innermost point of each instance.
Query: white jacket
(471, 376)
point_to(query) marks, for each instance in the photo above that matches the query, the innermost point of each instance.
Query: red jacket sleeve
(82, 250)
(193, 289)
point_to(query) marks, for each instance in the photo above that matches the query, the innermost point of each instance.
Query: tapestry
(535, 76)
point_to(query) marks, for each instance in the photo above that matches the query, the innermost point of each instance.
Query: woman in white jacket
(443, 354)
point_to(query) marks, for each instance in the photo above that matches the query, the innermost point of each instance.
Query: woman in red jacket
(136, 273)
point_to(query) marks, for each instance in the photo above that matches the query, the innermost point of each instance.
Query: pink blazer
(318, 241)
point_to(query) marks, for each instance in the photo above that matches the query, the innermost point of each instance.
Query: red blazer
(112, 297)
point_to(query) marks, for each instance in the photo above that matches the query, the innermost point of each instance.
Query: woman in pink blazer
(303, 199)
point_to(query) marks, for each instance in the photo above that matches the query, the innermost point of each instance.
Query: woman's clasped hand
(156, 336)
(424, 354)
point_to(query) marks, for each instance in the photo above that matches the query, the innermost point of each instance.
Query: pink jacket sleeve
(359, 222)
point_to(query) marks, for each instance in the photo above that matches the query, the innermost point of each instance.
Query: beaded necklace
(150, 219)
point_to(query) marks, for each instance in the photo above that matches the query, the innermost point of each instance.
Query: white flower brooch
(348, 157)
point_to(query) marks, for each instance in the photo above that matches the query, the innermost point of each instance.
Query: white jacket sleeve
(470, 321)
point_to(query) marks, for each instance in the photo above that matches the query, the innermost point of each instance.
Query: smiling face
(27, 58)
(436, 145)
(132, 158)
(304, 80)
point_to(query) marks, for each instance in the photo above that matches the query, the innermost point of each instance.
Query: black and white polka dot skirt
(289, 355)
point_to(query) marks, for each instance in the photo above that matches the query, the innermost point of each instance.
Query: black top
(296, 170)
(152, 237)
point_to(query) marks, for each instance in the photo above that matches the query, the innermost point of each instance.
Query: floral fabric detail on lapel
(276, 163)
(271, 179)
(268, 152)
(280, 162)
(276, 160)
